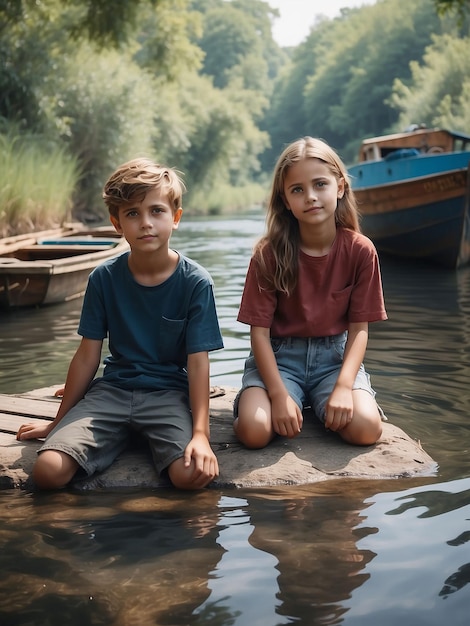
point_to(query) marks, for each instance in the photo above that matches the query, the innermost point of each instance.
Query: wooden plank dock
(315, 455)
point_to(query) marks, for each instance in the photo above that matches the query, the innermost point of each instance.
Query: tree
(237, 40)
(215, 140)
(448, 7)
(438, 93)
(27, 38)
(98, 100)
(107, 23)
(339, 84)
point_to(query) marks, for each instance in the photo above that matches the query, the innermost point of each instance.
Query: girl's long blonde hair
(282, 228)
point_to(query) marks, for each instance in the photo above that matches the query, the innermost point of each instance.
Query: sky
(297, 16)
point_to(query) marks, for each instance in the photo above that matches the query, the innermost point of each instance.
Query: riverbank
(315, 455)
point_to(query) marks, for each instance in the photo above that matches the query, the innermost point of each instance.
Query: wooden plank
(10, 423)
(42, 249)
(8, 244)
(39, 407)
(414, 192)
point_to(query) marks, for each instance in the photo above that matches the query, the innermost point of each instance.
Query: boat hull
(37, 271)
(423, 218)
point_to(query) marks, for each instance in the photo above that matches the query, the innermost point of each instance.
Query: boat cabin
(413, 142)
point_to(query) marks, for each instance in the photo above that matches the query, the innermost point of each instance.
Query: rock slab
(315, 455)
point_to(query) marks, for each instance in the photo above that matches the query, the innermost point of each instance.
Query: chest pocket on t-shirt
(172, 344)
(338, 306)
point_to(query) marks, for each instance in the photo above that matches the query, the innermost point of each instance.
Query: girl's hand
(339, 409)
(286, 417)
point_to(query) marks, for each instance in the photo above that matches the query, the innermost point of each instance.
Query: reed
(37, 182)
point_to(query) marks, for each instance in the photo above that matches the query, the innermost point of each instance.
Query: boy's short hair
(134, 179)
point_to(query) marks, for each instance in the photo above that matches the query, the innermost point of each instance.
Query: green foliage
(262, 16)
(110, 85)
(105, 115)
(349, 100)
(165, 39)
(217, 140)
(286, 118)
(223, 198)
(397, 35)
(37, 180)
(228, 35)
(438, 93)
(341, 79)
(109, 23)
(202, 86)
(28, 37)
(451, 7)
(237, 41)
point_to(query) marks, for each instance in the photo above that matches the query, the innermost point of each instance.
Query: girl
(312, 287)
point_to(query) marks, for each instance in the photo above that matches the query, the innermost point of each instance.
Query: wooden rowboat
(413, 192)
(53, 266)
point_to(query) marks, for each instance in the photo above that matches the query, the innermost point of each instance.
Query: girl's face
(311, 191)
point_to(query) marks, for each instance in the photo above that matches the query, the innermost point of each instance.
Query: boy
(157, 309)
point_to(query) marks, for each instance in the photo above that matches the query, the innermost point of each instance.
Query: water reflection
(243, 585)
(420, 574)
(345, 552)
(318, 560)
(122, 560)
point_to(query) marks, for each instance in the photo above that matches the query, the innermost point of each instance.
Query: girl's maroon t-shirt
(332, 291)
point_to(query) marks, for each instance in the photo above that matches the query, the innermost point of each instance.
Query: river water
(350, 552)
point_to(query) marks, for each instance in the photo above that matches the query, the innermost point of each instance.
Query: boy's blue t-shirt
(150, 330)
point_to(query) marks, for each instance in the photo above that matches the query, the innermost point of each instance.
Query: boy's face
(147, 224)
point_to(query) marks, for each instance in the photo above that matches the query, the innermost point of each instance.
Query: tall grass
(36, 184)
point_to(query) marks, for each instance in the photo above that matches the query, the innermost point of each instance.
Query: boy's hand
(206, 466)
(33, 431)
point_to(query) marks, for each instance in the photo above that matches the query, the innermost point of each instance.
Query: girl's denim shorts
(309, 368)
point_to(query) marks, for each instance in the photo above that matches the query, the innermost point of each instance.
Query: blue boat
(413, 193)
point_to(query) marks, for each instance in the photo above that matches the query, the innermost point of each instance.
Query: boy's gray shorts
(97, 429)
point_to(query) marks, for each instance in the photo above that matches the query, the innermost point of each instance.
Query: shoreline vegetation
(38, 183)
